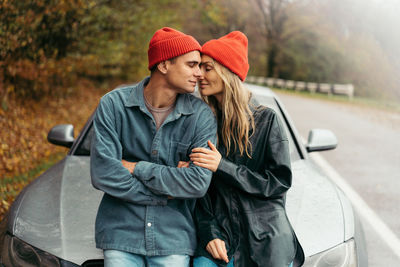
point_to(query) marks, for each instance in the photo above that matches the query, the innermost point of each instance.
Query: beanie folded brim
(168, 43)
(230, 51)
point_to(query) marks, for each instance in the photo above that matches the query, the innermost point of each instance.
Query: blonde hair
(237, 117)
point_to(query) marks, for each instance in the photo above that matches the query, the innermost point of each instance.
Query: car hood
(56, 213)
(315, 209)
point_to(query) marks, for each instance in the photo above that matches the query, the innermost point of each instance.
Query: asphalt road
(367, 158)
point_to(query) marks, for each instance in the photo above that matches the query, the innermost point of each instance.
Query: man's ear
(163, 67)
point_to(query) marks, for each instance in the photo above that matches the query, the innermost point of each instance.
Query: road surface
(367, 158)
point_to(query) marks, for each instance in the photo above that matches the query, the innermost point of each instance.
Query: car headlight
(16, 253)
(343, 255)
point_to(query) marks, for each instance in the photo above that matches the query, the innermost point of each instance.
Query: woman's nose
(199, 74)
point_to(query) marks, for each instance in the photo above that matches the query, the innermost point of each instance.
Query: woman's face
(210, 82)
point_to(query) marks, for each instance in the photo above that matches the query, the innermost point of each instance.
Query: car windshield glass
(270, 102)
(83, 148)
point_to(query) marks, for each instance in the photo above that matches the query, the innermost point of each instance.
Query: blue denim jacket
(137, 213)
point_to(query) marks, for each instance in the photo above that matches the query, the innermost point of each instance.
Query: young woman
(242, 220)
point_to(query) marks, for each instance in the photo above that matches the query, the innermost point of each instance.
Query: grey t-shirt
(159, 114)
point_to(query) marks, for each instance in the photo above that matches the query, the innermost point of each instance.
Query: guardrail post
(279, 83)
(312, 87)
(290, 84)
(326, 88)
(270, 82)
(300, 86)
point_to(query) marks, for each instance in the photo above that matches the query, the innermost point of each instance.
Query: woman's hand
(206, 158)
(217, 249)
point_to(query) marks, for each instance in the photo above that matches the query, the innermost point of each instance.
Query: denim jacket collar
(183, 104)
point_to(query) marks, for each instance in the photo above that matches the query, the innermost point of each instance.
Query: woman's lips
(202, 85)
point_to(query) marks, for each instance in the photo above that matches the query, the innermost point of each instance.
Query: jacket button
(154, 152)
(149, 224)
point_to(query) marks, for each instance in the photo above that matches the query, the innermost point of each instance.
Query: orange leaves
(23, 136)
(35, 38)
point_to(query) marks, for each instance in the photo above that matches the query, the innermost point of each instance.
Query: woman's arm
(275, 177)
(208, 230)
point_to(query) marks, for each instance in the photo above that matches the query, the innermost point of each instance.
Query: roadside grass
(381, 104)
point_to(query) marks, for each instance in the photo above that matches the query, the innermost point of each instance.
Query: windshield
(270, 102)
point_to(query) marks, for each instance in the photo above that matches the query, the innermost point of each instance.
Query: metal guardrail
(326, 88)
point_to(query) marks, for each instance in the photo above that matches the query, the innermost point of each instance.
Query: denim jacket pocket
(178, 152)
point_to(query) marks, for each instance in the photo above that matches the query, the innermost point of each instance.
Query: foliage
(273, 19)
(47, 46)
(310, 51)
(115, 36)
(35, 38)
(354, 52)
(24, 142)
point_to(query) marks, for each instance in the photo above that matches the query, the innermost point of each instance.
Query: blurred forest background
(47, 46)
(57, 57)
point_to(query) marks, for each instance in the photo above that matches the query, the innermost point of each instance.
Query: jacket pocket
(177, 152)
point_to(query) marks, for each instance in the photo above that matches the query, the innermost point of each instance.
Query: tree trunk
(272, 52)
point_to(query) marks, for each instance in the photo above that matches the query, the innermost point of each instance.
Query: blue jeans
(116, 258)
(205, 262)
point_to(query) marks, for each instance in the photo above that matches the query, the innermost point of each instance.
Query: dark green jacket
(245, 204)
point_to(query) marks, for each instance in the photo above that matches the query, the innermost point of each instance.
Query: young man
(141, 133)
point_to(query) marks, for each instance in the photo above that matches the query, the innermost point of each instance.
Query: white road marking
(361, 206)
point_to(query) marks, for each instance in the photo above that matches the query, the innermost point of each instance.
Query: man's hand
(129, 165)
(217, 249)
(183, 164)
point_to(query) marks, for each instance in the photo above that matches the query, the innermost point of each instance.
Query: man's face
(183, 72)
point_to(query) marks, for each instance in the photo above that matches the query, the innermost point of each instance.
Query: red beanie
(230, 51)
(169, 43)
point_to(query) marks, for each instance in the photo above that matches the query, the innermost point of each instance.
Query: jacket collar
(183, 105)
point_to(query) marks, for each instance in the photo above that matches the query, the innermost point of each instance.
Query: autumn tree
(365, 48)
(207, 19)
(35, 38)
(273, 17)
(46, 47)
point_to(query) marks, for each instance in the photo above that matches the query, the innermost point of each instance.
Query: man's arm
(107, 172)
(191, 182)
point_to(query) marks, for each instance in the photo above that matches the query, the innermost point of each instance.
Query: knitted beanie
(168, 43)
(230, 51)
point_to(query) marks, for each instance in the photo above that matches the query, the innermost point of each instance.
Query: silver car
(51, 223)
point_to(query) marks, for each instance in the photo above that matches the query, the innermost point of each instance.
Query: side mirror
(62, 135)
(320, 140)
